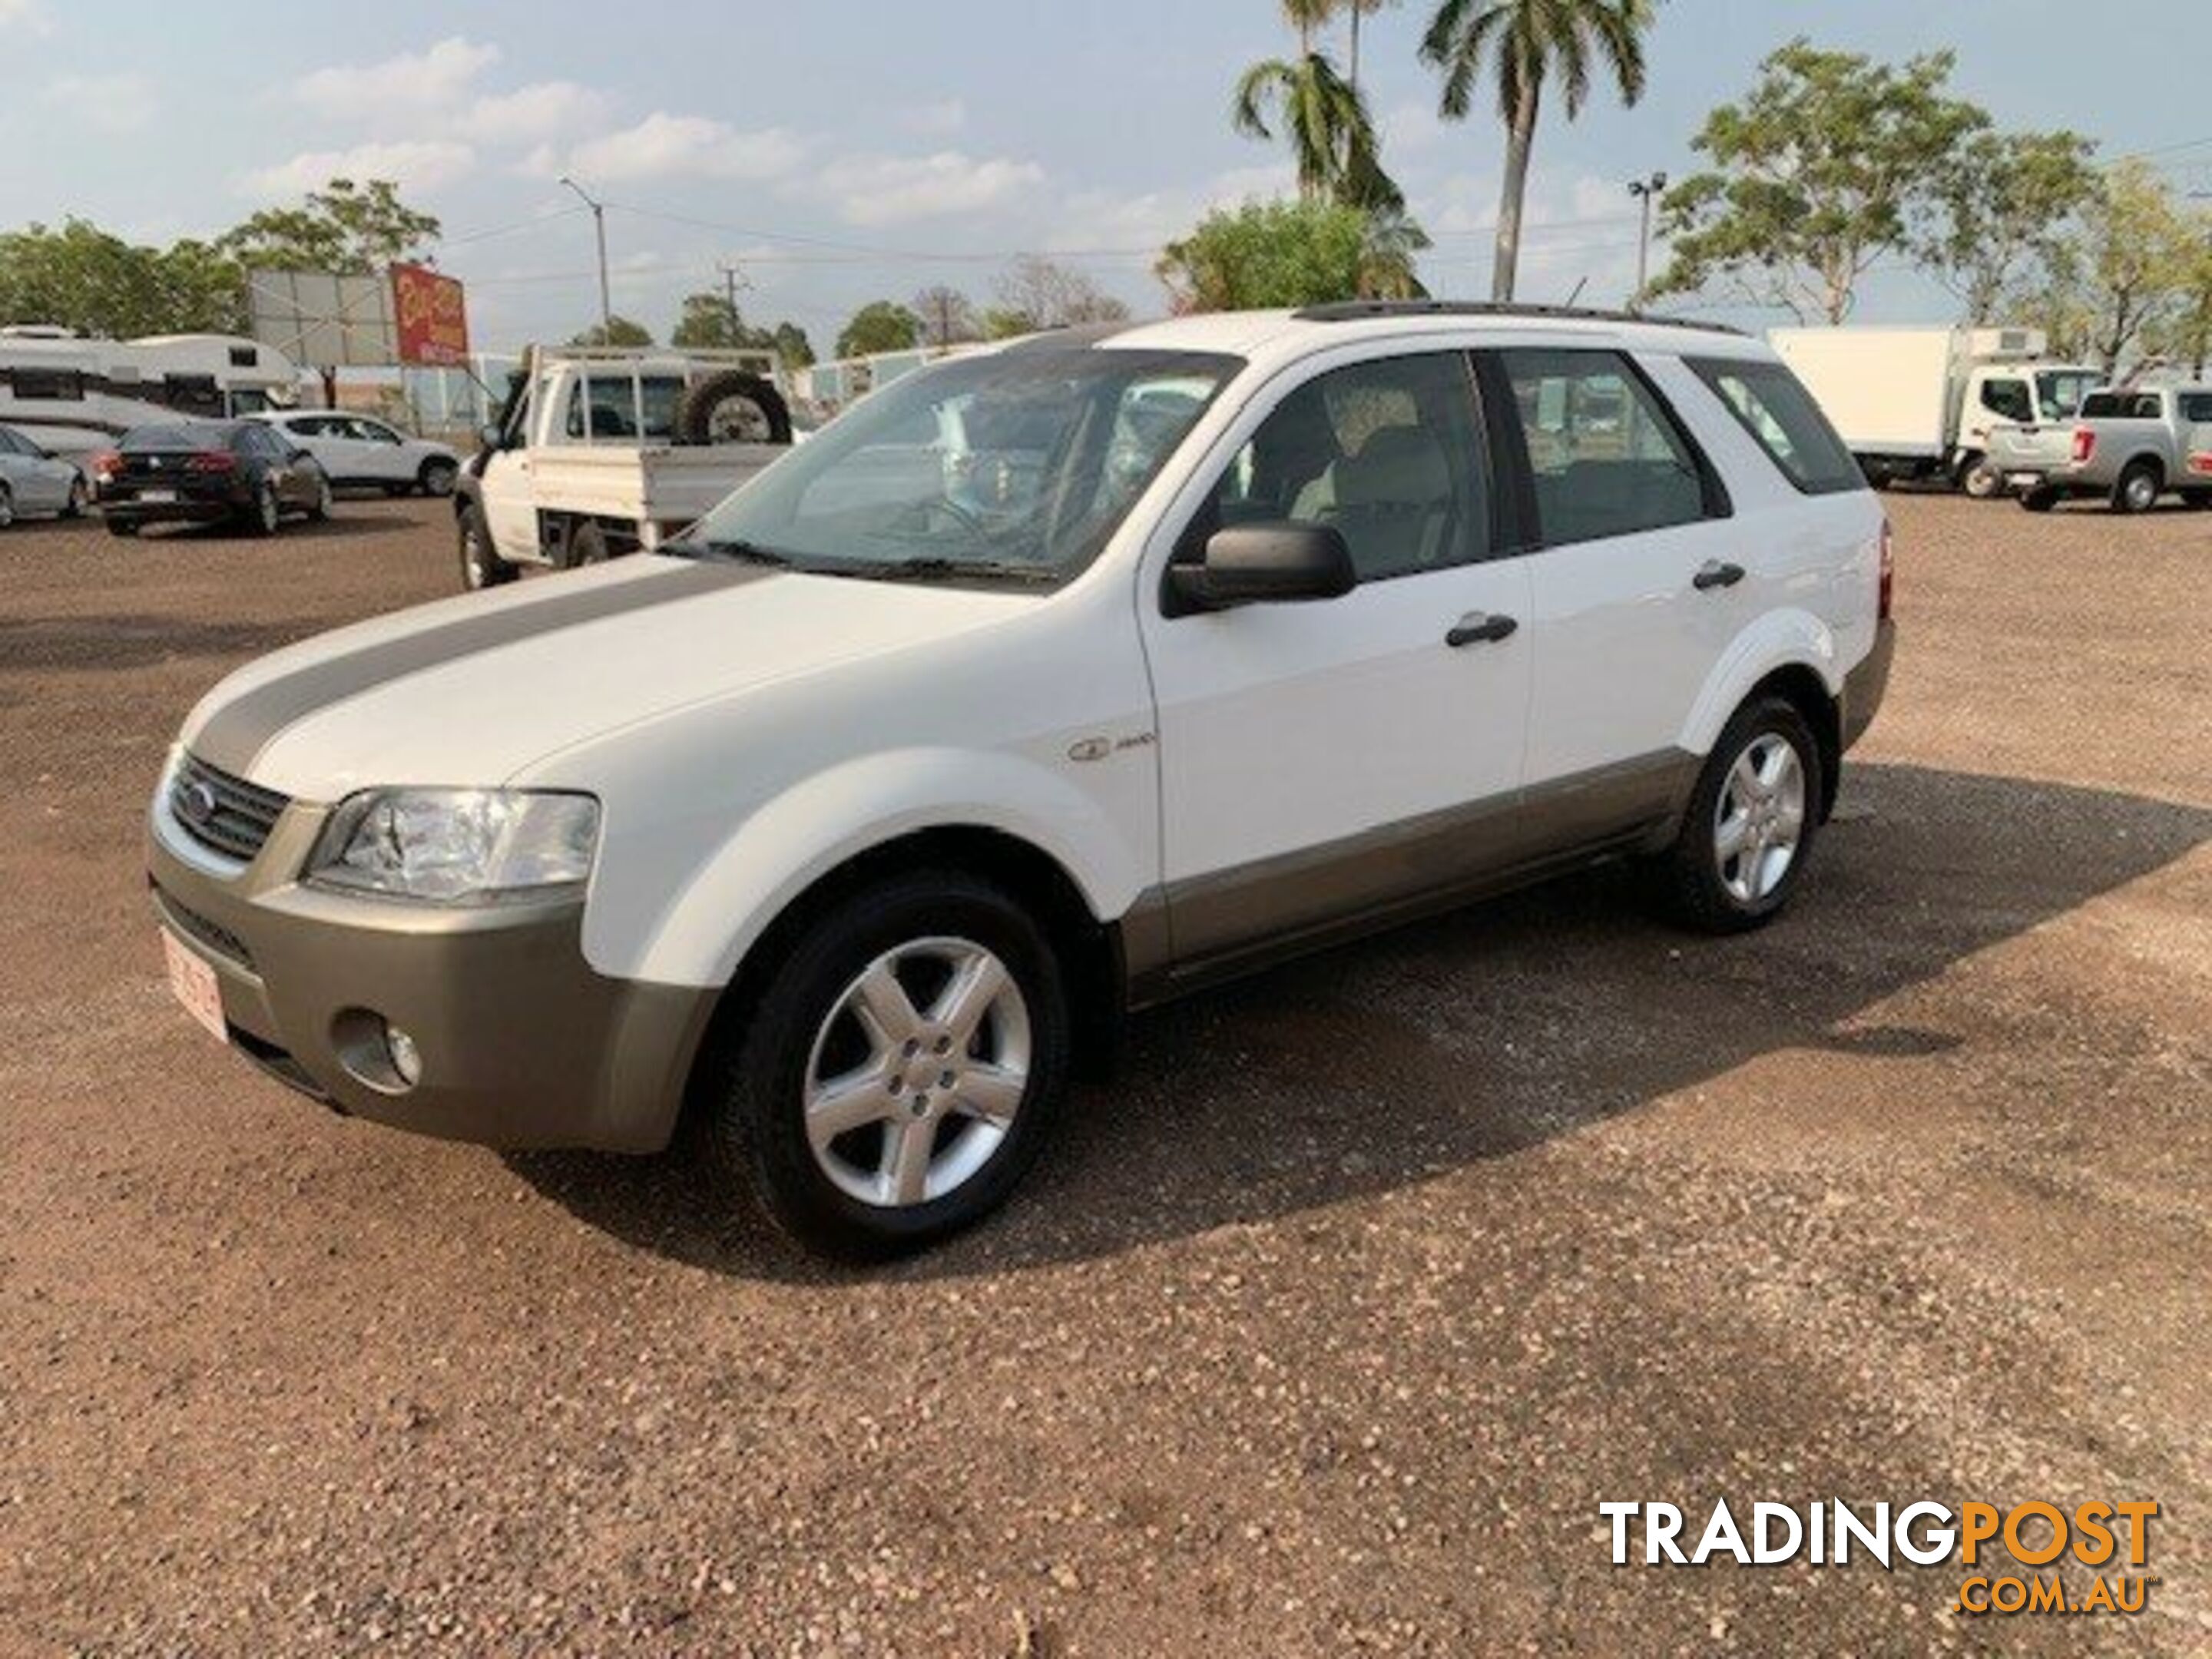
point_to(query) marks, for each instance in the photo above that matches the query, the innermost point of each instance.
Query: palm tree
(1332, 140)
(1357, 10)
(1531, 41)
(1305, 16)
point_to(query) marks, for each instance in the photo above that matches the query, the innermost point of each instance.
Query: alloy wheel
(917, 1072)
(1759, 818)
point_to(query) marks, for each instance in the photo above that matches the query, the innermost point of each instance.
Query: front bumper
(1866, 685)
(523, 1045)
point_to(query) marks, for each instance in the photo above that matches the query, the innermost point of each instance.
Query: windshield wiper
(741, 552)
(936, 569)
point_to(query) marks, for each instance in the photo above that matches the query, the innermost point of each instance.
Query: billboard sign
(432, 317)
(324, 320)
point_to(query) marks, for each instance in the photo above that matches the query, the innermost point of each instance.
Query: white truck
(1919, 402)
(601, 452)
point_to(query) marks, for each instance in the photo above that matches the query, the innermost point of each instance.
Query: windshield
(2059, 391)
(1018, 464)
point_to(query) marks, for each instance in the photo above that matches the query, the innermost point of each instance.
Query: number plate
(194, 983)
(157, 495)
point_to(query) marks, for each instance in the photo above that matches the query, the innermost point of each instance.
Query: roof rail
(1349, 310)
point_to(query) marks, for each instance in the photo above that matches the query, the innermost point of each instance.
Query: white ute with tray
(604, 451)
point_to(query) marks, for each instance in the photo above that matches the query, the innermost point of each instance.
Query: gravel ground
(1326, 1330)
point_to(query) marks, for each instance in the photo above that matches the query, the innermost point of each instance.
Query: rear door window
(1772, 404)
(1606, 455)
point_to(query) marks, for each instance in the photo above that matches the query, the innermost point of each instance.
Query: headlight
(458, 845)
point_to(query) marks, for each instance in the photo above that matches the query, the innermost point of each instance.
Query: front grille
(213, 934)
(223, 813)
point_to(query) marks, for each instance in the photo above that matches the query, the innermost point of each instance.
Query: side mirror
(488, 435)
(1272, 563)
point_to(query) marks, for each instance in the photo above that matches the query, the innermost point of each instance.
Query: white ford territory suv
(1046, 683)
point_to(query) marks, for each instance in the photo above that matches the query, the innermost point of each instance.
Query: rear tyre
(437, 477)
(2138, 489)
(2039, 499)
(7, 507)
(80, 498)
(481, 565)
(1750, 824)
(586, 544)
(900, 1073)
(733, 407)
(121, 527)
(264, 514)
(320, 512)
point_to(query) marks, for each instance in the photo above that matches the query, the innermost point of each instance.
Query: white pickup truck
(605, 451)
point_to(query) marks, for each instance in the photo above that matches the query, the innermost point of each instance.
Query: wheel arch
(1792, 655)
(1089, 950)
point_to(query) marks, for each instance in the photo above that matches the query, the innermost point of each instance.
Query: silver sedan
(31, 481)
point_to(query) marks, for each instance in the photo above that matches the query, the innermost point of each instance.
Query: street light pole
(1645, 191)
(598, 225)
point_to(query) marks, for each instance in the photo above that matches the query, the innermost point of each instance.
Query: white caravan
(75, 395)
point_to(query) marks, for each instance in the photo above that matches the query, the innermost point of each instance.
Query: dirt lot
(1327, 1329)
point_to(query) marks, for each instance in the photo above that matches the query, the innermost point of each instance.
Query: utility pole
(733, 278)
(1645, 191)
(599, 224)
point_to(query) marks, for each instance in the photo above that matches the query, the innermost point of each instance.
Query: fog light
(406, 1058)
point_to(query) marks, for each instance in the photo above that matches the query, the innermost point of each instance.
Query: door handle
(1479, 628)
(1714, 573)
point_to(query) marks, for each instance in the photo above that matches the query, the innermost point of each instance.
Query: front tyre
(1750, 824)
(901, 1071)
(481, 565)
(2038, 499)
(436, 478)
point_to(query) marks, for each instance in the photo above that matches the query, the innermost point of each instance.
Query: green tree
(1997, 212)
(1333, 142)
(1267, 254)
(82, 278)
(617, 330)
(709, 322)
(344, 227)
(2186, 336)
(1528, 44)
(2123, 283)
(879, 325)
(1817, 174)
(793, 345)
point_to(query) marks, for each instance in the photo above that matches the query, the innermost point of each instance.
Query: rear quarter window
(1772, 405)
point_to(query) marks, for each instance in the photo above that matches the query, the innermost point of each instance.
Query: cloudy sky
(862, 149)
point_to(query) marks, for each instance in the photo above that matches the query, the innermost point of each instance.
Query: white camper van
(75, 395)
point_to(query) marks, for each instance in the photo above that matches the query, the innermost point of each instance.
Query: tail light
(106, 465)
(211, 460)
(2085, 444)
(2202, 462)
(1889, 572)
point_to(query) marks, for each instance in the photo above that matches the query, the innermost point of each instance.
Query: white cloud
(881, 190)
(937, 120)
(112, 103)
(1151, 219)
(26, 15)
(415, 164)
(665, 146)
(435, 78)
(543, 110)
(1411, 128)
